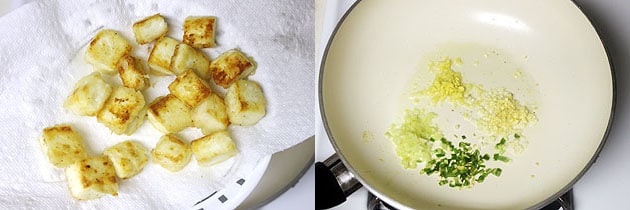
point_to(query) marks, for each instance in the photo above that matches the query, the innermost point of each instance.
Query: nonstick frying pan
(378, 48)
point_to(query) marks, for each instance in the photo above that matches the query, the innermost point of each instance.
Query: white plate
(382, 44)
(235, 192)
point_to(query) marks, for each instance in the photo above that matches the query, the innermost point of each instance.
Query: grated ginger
(447, 84)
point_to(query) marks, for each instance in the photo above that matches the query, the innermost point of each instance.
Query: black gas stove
(565, 202)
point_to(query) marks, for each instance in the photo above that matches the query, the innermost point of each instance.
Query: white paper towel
(41, 55)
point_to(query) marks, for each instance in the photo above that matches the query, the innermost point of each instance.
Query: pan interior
(382, 45)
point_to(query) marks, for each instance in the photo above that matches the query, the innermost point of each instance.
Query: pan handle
(333, 183)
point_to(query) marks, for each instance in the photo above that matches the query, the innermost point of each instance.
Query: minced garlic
(501, 114)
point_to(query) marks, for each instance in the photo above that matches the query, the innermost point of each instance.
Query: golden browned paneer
(211, 115)
(199, 31)
(92, 178)
(171, 153)
(150, 28)
(128, 157)
(245, 103)
(133, 73)
(62, 145)
(89, 95)
(161, 54)
(123, 112)
(213, 148)
(186, 57)
(105, 50)
(168, 114)
(189, 88)
(231, 66)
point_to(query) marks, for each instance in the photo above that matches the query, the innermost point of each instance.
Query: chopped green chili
(501, 158)
(459, 166)
(500, 146)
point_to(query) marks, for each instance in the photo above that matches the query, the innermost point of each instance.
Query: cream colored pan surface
(546, 52)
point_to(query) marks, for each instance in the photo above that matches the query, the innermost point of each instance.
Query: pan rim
(611, 117)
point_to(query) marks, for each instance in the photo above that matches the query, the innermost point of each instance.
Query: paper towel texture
(43, 44)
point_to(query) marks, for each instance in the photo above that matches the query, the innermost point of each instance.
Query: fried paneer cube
(161, 54)
(214, 148)
(150, 29)
(105, 50)
(189, 88)
(199, 31)
(128, 157)
(168, 114)
(171, 153)
(124, 111)
(133, 73)
(231, 66)
(89, 95)
(92, 178)
(245, 103)
(62, 145)
(211, 115)
(186, 57)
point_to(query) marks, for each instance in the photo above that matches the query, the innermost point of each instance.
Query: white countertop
(603, 186)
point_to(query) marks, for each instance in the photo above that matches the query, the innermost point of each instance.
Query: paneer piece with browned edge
(128, 157)
(186, 57)
(231, 66)
(89, 95)
(214, 148)
(150, 29)
(133, 73)
(105, 50)
(92, 178)
(124, 111)
(189, 88)
(62, 145)
(161, 54)
(199, 31)
(211, 115)
(168, 114)
(245, 103)
(171, 153)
